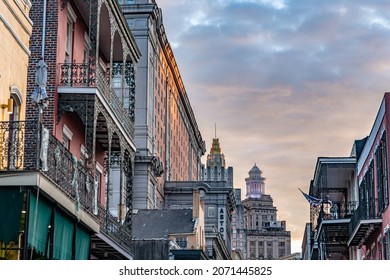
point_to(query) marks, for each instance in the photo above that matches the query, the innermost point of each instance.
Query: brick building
(168, 140)
(75, 175)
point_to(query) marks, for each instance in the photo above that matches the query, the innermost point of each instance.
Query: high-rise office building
(267, 238)
(169, 143)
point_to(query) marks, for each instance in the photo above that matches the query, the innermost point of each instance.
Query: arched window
(17, 100)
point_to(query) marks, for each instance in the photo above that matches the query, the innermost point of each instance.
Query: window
(17, 100)
(281, 252)
(69, 34)
(66, 136)
(367, 192)
(381, 171)
(98, 180)
(14, 114)
(130, 22)
(182, 242)
(211, 211)
(120, 82)
(86, 48)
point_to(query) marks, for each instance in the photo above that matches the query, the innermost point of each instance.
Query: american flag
(315, 202)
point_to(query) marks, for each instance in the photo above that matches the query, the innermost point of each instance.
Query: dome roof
(255, 170)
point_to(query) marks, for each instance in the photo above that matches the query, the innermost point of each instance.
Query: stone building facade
(215, 168)
(267, 238)
(168, 140)
(238, 225)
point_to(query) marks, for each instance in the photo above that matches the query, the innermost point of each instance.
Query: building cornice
(16, 37)
(28, 30)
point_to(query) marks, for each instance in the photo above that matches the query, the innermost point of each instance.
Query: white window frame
(67, 136)
(72, 17)
(181, 241)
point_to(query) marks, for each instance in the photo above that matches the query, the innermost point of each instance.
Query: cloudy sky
(284, 81)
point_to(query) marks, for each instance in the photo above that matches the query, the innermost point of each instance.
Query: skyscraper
(267, 238)
(215, 169)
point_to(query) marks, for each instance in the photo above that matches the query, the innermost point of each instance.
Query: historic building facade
(219, 199)
(238, 225)
(215, 168)
(351, 221)
(169, 143)
(74, 179)
(15, 29)
(267, 238)
(219, 204)
(369, 236)
(333, 185)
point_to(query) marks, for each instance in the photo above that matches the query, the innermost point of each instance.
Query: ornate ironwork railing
(335, 211)
(18, 145)
(365, 211)
(114, 229)
(20, 152)
(70, 175)
(76, 75)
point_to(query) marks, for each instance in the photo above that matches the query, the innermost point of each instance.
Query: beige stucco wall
(15, 30)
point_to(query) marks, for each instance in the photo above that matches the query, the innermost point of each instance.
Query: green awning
(63, 237)
(83, 244)
(39, 221)
(11, 203)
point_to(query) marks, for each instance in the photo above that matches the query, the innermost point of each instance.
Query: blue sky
(284, 81)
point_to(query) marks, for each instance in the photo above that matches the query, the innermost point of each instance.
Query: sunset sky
(284, 81)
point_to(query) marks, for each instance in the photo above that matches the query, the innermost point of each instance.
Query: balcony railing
(19, 152)
(114, 229)
(12, 145)
(336, 211)
(366, 211)
(76, 75)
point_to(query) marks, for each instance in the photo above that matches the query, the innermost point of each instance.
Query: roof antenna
(215, 130)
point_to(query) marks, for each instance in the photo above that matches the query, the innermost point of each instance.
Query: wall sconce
(9, 106)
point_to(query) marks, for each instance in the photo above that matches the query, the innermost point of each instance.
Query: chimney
(195, 204)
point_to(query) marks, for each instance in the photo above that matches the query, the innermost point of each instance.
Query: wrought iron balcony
(77, 75)
(366, 219)
(114, 229)
(337, 211)
(20, 152)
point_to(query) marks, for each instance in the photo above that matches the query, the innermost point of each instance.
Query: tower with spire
(215, 169)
